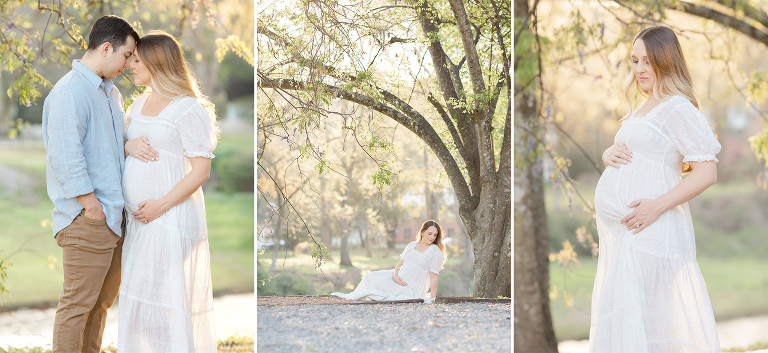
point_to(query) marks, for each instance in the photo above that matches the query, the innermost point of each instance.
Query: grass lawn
(737, 287)
(382, 259)
(36, 275)
(230, 143)
(30, 160)
(296, 273)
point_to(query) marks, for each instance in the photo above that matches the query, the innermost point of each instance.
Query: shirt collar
(91, 76)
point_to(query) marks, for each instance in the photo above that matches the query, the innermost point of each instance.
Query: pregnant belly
(607, 185)
(145, 181)
(639, 179)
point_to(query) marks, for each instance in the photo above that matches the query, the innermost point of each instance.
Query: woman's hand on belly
(149, 211)
(646, 212)
(140, 149)
(617, 153)
(399, 280)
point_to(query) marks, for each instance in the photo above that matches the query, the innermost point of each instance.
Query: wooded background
(571, 62)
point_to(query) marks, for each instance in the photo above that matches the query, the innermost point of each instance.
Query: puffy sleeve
(408, 248)
(198, 135)
(436, 261)
(690, 134)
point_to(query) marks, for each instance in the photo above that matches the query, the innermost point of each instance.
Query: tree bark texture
(6, 107)
(533, 322)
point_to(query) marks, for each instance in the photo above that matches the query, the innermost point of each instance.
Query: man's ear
(105, 48)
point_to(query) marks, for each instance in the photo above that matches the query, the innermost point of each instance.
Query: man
(83, 135)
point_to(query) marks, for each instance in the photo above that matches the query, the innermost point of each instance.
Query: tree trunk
(533, 321)
(391, 234)
(276, 239)
(325, 233)
(468, 255)
(6, 106)
(431, 212)
(345, 219)
(363, 241)
(489, 231)
(345, 261)
(366, 240)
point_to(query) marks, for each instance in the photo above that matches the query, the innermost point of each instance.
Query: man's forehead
(129, 46)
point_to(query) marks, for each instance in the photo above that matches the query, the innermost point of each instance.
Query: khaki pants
(91, 282)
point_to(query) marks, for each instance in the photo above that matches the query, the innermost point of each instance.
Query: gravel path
(464, 327)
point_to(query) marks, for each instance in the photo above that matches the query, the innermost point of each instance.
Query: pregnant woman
(417, 271)
(649, 295)
(165, 295)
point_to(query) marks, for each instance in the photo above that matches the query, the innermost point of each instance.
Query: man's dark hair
(112, 29)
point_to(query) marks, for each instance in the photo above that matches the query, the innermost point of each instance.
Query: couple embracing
(126, 188)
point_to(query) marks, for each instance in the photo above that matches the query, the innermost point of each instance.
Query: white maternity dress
(649, 295)
(166, 299)
(379, 285)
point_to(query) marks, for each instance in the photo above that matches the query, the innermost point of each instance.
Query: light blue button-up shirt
(83, 136)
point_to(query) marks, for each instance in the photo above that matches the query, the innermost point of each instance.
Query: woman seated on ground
(414, 275)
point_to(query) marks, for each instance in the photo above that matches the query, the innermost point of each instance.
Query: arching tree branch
(452, 129)
(404, 115)
(721, 18)
(749, 11)
(447, 84)
(470, 50)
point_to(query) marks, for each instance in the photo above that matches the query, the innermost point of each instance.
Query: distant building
(409, 231)
(405, 233)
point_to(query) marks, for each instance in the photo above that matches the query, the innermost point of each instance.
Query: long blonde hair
(438, 238)
(169, 70)
(669, 67)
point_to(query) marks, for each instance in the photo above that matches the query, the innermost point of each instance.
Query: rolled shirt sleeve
(68, 119)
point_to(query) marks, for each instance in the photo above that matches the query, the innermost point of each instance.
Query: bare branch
(470, 50)
(562, 173)
(595, 165)
(287, 200)
(749, 11)
(448, 84)
(505, 156)
(721, 18)
(404, 115)
(452, 129)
